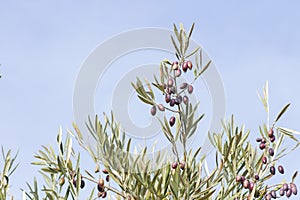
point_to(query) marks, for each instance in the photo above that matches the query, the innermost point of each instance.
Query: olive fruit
(281, 192)
(285, 187)
(272, 170)
(167, 98)
(185, 100)
(105, 171)
(258, 139)
(153, 110)
(97, 169)
(82, 184)
(62, 181)
(294, 188)
(182, 165)
(262, 146)
(273, 194)
(183, 85)
(251, 185)
(272, 139)
(238, 178)
(172, 102)
(174, 165)
(184, 66)
(175, 65)
(172, 121)
(190, 64)
(268, 197)
(246, 184)
(264, 160)
(177, 72)
(190, 89)
(104, 194)
(289, 192)
(161, 107)
(280, 169)
(256, 177)
(271, 152)
(107, 178)
(271, 133)
(170, 82)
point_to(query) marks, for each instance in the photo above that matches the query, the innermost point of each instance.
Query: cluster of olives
(74, 181)
(181, 164)
(172, 97)
(100, 185)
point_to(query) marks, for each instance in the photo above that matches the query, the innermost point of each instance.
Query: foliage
(242, 169)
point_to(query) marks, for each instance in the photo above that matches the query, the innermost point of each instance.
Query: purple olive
(161, 107)
(170, 82)
(183, 86)
(184, 66)
(177, 72)
(272, 139)
(172, 121)
(182, 165)
(281, 192)
(258, 139)
(238, 178)
(288, 192)
(264, 160)
(172, 102)
(271, 152)
(167, 98)
(256, 177)
(294, 188)
(185, 100)
(273, 194)
(285, 187)
(251, 185)
(190, 89)
(281, 169)
(262, 146)
(153, 110)
(246, 184)
(272, 170)
(271, 133)
(174, 165)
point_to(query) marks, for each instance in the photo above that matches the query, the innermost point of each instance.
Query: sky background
(43, 44)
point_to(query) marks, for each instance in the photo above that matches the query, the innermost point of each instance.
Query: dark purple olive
(289, 192)
(281, 192)
(183, 85)
(271, 152)
(294, 188)
(273, 194)
(107, 178)
(161, 107)
(190, 89)
(190, 64)
(256, 177)
(246, 184)
(153, 110)
(262, 146)
(185, 100)
(104, 194)
(175, 65)
(258, 139)
(271, 133)
(264, 160)
(285, 187)
(177, 72)
(167, 98)
(100, 185)
(280, 169)
(174, 165)
(172, 102)
(82, 184)
(184, 66)
(179, 99)
(172, 121)
(263, 140)
(272, 170)
(272, 139)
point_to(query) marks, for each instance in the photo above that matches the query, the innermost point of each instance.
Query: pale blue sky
(43, 44)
